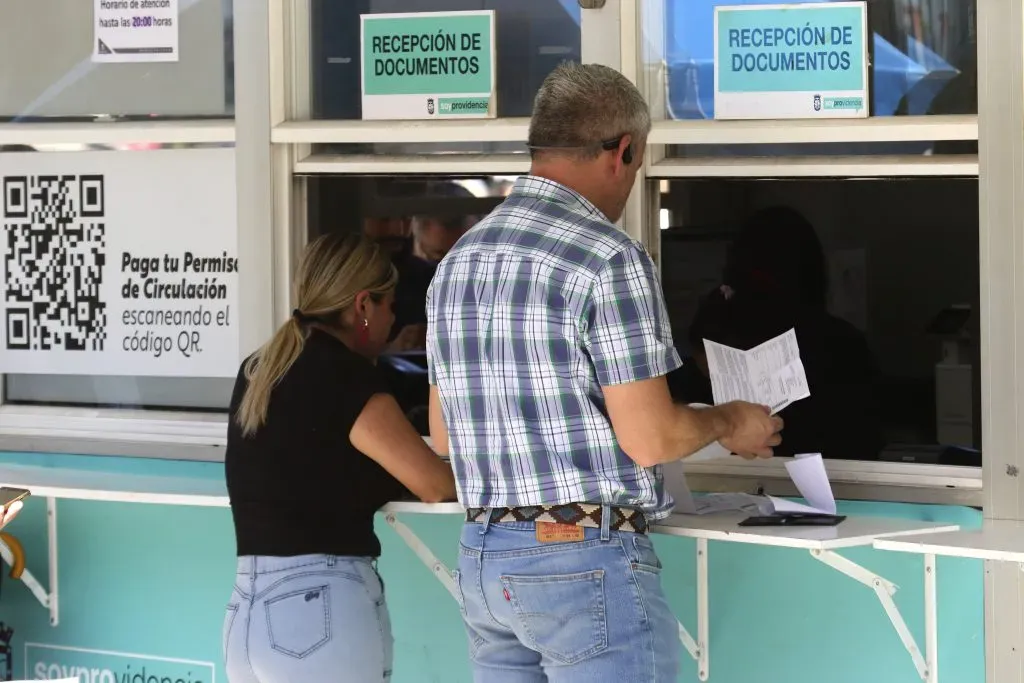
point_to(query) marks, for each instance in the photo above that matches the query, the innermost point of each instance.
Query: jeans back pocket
(562, 617)
(299, 622)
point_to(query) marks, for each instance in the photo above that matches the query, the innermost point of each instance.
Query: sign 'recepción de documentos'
(791, 61)
(431, 65)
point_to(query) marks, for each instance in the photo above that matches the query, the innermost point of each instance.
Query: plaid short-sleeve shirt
(534, 310)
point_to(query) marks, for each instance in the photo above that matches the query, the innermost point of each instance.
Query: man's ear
(626, 150)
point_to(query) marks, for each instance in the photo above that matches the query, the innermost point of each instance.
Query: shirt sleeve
(627, 329)
(431, 338)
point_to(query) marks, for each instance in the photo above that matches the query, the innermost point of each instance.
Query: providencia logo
(50, 662)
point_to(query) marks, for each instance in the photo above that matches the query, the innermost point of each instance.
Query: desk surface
(996, 540)
(131, 480)
(120, 480)
(854, 531)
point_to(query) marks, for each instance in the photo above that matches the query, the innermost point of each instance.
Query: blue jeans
(590, 611)
(308, 619)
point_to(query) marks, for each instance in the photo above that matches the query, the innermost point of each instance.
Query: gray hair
(580, 106)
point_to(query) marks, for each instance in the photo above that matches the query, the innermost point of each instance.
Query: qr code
(54, 258)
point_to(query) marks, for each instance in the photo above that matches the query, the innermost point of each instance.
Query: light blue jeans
(591, 611)
(307, 619)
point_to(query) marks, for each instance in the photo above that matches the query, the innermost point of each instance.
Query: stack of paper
(769, 374)
(807, 472)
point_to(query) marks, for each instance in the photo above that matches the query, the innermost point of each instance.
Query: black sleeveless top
(298, 486)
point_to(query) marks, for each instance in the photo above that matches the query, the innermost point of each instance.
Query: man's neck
(571, 178)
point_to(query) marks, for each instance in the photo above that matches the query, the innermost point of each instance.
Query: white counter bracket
(426, 555)
(699, 648)
(884, 589)
(927, 669)
(48, 599)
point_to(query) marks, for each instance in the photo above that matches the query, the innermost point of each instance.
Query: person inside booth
(432, 234)
(776, 279)
(416, 245)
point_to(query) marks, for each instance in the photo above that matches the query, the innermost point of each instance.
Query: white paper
(782, 506)
(811, 480)
(807, 472)
(770, 374)
(731, 502)
(676, 486)
(135, 31)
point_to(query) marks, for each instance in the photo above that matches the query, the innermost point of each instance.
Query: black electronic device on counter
(794, 519)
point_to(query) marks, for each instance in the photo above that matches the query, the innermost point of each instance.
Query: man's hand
(753, 430)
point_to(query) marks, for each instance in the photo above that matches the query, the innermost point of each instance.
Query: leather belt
(577, 514)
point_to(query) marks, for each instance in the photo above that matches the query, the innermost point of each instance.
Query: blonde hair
(333, 271)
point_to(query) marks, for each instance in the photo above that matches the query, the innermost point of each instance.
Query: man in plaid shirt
(548, 344)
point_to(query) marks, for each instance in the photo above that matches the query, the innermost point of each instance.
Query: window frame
(293, 137)
(879, 481)
(272, 105)
(181, 435)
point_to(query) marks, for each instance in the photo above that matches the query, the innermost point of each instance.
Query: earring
(364, 332)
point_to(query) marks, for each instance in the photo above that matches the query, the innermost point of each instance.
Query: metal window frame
(1001, 193)
(918, 483)
(272, 75)
(871, 481)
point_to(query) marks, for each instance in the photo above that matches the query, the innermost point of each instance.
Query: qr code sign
(54, 258)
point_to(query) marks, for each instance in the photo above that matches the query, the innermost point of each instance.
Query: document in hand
(769, 374)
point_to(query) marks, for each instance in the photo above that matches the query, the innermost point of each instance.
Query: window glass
(46, 68)
(923, 56)
(827, 149)
(532, 38)
(418, 219)
(68, 266)
(887, 320)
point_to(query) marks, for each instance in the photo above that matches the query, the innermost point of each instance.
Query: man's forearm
(695, 428)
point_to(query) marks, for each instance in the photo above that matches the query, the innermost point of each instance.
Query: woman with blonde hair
(316, 445)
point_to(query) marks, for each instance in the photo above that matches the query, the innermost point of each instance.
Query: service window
(418, 218)
(879, 277)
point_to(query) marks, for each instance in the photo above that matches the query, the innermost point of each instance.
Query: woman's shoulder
(326, 363)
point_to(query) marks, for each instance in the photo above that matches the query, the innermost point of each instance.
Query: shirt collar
(548, 190)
